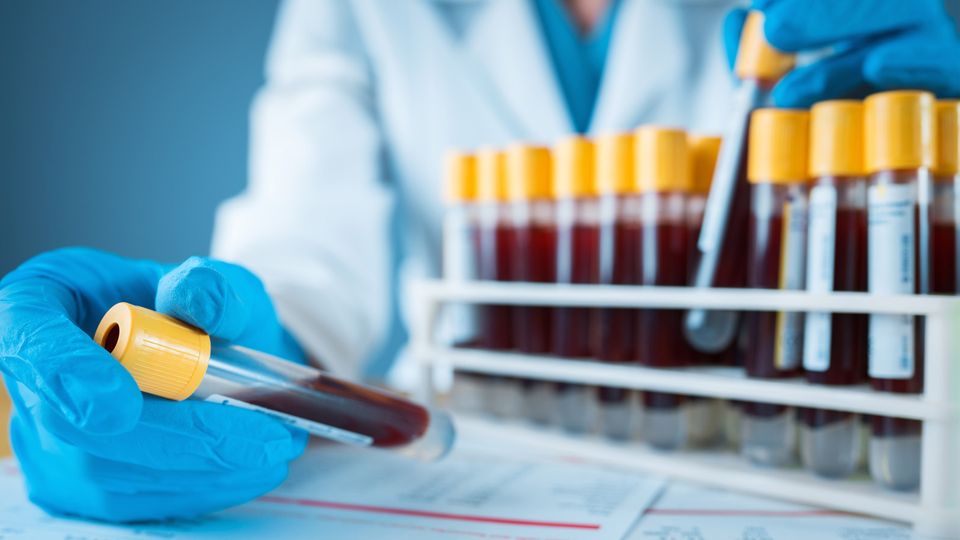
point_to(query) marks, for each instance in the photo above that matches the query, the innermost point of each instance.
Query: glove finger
(732, 28)
(833, 77)
(85, 499)
(129, 479)
(226, 301)
(116, 492)
(192, 436)
(917, 64)
(792, 25)
(84, 283)
(64, 479)
(41, 348)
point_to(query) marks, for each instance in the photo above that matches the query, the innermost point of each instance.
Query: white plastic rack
(934, 510)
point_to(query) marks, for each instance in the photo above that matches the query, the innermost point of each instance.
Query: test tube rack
(934, 510)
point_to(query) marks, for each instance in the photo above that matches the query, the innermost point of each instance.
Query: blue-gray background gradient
(124, 122)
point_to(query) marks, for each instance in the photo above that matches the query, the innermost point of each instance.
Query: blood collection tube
(946, 175)
(578, 253)
(900, 136)
(835, 345)
(495, 243)
(460, 222)
(460, 226)
(663, 178)
(777, 170)
(170, 359)
(721, 244)
(534, 260)
(618, 265)
(704, 416)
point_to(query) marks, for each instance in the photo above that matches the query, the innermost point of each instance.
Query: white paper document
(481, 491)
(687, 512)
(340, 493)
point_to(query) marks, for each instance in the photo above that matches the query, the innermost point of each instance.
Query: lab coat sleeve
(313, 220)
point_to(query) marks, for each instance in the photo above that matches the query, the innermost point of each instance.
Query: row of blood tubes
(849, 196)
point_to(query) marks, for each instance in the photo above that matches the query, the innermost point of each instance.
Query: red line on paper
(424, 513)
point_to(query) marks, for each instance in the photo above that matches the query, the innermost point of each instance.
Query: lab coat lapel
(506, 42)
(648, 58)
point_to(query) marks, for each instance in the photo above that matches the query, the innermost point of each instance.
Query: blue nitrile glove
(876, 45)
(89, 443)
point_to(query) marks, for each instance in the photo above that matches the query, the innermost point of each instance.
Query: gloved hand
(89, 443)
(876, 45)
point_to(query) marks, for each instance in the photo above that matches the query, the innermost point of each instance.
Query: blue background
(124, 122)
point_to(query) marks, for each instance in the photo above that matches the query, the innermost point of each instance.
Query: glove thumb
(226, 301)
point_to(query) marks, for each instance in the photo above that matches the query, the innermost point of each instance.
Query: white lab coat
(364, 97)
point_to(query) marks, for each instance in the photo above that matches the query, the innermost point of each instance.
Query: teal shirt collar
(578, 61)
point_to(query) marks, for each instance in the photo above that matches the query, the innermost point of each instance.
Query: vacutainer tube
(173, 360)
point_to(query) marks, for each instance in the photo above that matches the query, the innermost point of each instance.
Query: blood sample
(946, 175)
(777, 170)
(578, 252)
(460, 226)
(534, 260)
(663, 179)
(619, 258)
(900, 135)
(721, 244)
(835, 345)
(704, 416)
(170, 359)
(495, 243)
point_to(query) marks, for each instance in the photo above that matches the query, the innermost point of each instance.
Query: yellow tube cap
(528, 173)
(615, 166)
(757, 59)
(704, 150)
(900, 130)
(460, 174)
(948, 144)
(663, 159)
(166, 357)
(491, 175)
(574, 171)
(778, 146)
(836, 138)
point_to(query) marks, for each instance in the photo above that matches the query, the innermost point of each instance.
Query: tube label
(822, 235)
(459, 322)
(891, 241)
(793, 246)
(314, 428)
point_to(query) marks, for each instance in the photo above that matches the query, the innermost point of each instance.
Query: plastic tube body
(773, 341)
(620, 230)
(460, 323)
(898, 240)
(534, 260)
(944, 235)
(460, 264)
(835, 345)
(496, 248)
(578, 252)
(664, 252)
(720, 245)
(323, 405)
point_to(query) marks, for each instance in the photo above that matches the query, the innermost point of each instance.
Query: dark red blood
(388, 419)
(534, 261)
